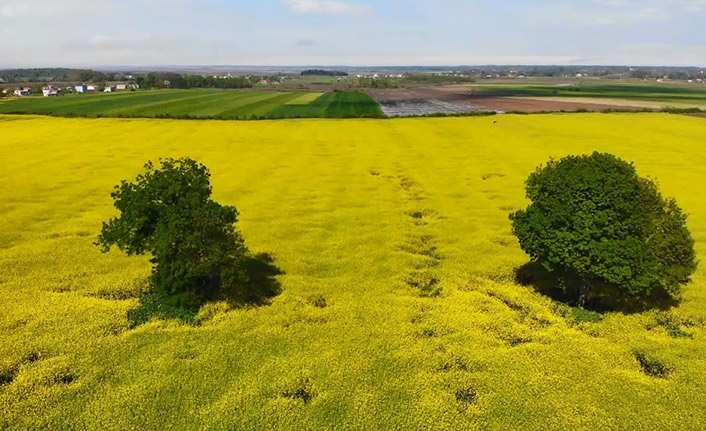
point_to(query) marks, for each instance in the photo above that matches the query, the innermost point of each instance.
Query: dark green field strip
(107, 105)
(199, 103)
(52, 105)
(642, 89)
(171, 106)
(265, 108)
(152, 105)
(352, 104)
(99, 100)
(209, 107)
(635, 92)
(336, 104)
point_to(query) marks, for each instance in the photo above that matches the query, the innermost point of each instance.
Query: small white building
(81, 88)
(49, 91)
(21, 92)
(121, 87)
(110, 89)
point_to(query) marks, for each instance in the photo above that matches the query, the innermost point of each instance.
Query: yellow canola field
(398, 307)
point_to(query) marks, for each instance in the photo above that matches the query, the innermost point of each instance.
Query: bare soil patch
(508, 104)
(423, 100)
(460, 99)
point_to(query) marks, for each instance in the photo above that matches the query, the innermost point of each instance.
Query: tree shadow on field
(260, 287)
(565, 289)
(262, 284)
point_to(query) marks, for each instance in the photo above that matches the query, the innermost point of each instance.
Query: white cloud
(691, 6)
(327, 6)
(110, 32)
(655, 54)
(615, 3)
(598, 13)
(612, 13)
(623, 17)
(14, 10)
(43, 8)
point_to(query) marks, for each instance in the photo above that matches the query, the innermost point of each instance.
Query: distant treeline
(176, 80)
(668, 73)
(320, 72)
(377, 83)
(150, 80)
(57, 75)
(595, 71)
(438, 79)
(617, 71)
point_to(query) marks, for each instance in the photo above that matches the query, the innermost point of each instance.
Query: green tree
(604, 231)
(168, 212)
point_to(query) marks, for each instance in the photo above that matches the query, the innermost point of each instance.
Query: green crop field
(305, 99)
(203, 103)
(390, 248)
(693, 95)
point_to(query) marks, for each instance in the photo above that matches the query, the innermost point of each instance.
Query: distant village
(53, 82)
(54, 91)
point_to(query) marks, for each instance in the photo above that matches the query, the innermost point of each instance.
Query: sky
(85, 33)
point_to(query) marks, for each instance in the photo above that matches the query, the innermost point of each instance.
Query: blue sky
(351, 32)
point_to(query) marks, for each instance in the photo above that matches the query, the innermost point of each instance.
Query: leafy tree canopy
(606, 232)
(168, 212)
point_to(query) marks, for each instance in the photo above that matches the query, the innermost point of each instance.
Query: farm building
(110, 89)
(26, 91)
(49, 91)
(126, 86)
(81, 88)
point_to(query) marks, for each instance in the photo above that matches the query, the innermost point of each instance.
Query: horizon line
(413, 66)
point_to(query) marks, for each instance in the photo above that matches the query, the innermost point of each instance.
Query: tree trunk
(583, 293)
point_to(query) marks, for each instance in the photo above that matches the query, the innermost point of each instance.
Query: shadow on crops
(565, 289)
(261, 286)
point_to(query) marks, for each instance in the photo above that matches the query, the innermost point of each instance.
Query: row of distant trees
(420, 74)
(58, 75)
(150, 80)
(367, 82)
(321, 72)
(677, 74)
(176, 80)
(680, 73)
